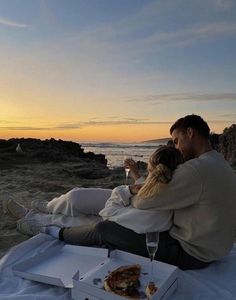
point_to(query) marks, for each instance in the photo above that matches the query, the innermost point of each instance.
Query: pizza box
(57, 265)
(90, 285)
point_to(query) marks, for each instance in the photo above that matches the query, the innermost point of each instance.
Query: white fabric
(61, 220)
(79, 206)
(119, 210)
(88, 201)
(217, 282)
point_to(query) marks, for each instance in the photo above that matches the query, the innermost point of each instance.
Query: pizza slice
(124, 281)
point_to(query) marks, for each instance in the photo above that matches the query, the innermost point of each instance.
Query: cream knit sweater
(202, 194)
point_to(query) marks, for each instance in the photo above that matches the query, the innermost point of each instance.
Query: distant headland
(224, 142)
(162, 140)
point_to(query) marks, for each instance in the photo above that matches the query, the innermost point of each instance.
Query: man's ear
(190, 132)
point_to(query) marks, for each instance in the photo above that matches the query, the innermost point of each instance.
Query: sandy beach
(27, 182)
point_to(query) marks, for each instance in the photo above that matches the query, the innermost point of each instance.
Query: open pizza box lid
(90, 284)
(57, 265)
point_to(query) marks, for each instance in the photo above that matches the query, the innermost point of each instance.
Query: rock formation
(86, 165)
(226, 143)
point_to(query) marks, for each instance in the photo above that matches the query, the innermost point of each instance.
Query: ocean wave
(115, 152)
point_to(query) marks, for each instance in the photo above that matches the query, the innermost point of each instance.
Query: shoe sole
(21, 229)
(27, 230)
(7, 211)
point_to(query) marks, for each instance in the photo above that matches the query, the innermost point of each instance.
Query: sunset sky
(115, 70)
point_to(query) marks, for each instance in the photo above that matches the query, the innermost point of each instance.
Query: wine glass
(127, 169)
(152, 240)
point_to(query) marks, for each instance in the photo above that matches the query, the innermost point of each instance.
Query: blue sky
(90, 69)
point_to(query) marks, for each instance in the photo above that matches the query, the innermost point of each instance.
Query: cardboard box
(84, 268)
(58, 265)
(90, 285)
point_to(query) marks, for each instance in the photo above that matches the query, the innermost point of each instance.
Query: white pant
(80, 206)
(88, 201)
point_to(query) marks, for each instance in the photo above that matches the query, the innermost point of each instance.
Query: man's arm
(183, 190)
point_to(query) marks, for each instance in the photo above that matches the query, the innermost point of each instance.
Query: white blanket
(216, 282)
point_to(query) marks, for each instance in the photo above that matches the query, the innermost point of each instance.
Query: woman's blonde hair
(161, 165)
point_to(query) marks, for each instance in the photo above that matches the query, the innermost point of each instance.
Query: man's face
(183, 142)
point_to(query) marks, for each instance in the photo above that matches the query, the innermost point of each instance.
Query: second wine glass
(127, 169)
(152, 241)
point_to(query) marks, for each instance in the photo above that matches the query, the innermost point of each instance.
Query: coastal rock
(50, 150)
(87, 170)
(68, 157)
(214, 139)
(227, 143)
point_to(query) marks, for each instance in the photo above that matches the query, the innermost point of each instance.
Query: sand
(42, 181)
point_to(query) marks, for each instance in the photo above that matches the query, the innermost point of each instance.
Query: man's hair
(193, 121)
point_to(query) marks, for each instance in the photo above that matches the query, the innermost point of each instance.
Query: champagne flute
(127, 169)
(152, 240)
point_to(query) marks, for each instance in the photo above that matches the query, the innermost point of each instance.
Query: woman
(118, 207)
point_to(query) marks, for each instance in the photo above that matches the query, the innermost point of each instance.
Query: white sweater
(202, 194)
(119, 210)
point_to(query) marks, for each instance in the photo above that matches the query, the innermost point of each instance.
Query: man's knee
(108, 231)
(102, 227)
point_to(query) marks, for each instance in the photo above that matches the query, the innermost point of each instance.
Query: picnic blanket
(217, 282)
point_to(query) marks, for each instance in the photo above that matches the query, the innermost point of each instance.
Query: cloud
(110, 45)
(7, 22)
(126, 121)
(151, 34)
(228, 116)
(79, 125)
(6, 122)
(185, 37)
(160, 98)
(223, 5)
(25, 128)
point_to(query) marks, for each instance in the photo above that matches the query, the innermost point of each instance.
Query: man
(202, 194)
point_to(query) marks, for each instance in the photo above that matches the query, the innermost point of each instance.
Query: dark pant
(116, 236)
(86, 235)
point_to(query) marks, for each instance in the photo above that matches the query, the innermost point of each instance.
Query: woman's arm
(134, 170)
(121, 195)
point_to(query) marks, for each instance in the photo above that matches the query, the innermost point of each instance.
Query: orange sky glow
(76, 71)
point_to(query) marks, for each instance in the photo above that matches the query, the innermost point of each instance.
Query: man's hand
(134, 188)
(132, 165)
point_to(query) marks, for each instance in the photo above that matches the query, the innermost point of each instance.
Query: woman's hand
(133, 166)
(134, 188)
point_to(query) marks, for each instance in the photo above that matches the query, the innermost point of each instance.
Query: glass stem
(152, 269)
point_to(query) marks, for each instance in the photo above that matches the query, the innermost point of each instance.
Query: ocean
(115, 153)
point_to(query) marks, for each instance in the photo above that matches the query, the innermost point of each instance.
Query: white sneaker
(14, 209)
(29, 227)
(32, 227)
(40, 206)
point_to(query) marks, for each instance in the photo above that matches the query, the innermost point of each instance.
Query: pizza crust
(151, 289)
